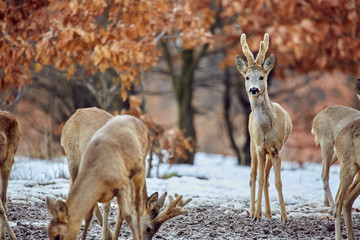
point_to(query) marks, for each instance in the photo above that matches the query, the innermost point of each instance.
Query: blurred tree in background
(93, 53)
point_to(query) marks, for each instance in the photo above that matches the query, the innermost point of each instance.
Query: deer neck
(82, 197)
(263, 111)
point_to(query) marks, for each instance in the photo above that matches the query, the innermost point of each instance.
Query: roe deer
(10, 135)
(269, 126)
(347, 150)
(326, 126)
(76, 134)
(113, 165)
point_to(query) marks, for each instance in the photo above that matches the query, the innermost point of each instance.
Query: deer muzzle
(254, 91)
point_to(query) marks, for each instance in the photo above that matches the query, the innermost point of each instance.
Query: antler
(175, 208)
(246, 50)
(264, 45)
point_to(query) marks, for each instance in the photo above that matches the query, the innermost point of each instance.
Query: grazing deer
(269, 126)
(76, 134)
(113, 165)
(347, 150)
(326, 126)
(10, 135)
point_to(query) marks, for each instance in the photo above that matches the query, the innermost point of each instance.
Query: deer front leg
(105, 228)
(276, 161)
(349, 201)
(138, 185)
(99, 218)
(128, 211)
(346, 178)
(5, 173)
(266, 189)
(88, 218)
(5, 222)
(118, 224)
(254, 166)
(262, 159)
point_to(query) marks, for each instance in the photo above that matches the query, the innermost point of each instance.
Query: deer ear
(61, 210)
(160, 202)
(269, 63)
(240, 64)
(151, 201)
(50, 204)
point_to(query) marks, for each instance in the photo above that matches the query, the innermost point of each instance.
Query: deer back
(347, 143)
(117, 149)
(329, 122)
(77, 133)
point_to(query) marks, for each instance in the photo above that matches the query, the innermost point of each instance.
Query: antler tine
(246, 50)
(264, 46)
(174, 208)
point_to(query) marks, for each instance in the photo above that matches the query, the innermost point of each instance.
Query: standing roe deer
(75, 136)
(347, 150)
(269, 126)
(10, 135)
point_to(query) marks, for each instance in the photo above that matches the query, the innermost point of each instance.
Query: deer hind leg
(328, 158)
(266, 188)
(254, 166)
(276, 161)
(262, 160)
(346, 178)
(349, 201)
(128, 211)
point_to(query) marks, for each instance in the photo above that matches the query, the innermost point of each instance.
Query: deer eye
(261, 78)
(148, 229)
(57, 237)
(247, 78)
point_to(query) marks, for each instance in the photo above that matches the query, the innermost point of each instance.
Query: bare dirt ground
(29, 221)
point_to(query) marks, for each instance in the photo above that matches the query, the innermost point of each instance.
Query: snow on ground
(213, 180)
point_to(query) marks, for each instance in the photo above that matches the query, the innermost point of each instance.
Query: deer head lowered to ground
(76, 134)
(269, 126)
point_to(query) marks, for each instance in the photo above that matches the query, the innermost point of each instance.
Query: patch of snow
(212, 180)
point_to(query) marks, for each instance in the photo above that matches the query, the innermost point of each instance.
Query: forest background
(171, 63)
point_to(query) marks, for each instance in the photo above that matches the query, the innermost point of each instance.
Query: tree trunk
(184, 95)
(227, 107)
(244, 101)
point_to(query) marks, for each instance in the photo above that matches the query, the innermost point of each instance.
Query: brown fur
(10, 135)
(326, 126)
(347, 149)
(269, 126)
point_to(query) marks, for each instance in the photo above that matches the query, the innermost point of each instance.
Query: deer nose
(254, 91)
